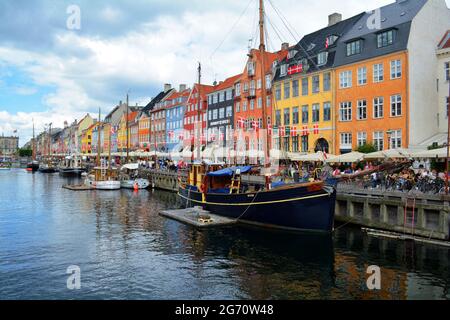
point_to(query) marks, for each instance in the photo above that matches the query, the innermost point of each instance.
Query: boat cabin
(105, 174)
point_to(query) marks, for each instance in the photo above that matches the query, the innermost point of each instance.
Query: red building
(248, 91)
(197, 104)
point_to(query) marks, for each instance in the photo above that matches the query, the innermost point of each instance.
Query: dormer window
(331, 40)
(283, 69)
(385, 39)
(292, 54)
(251, 68)
(311, 46)
(322, 58)
(354, 47)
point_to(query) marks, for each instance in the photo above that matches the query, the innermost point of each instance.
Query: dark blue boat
(305, 207)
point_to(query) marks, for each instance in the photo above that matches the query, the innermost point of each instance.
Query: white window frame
(346, 140)
(396, 139)
(345, 111)
(361, 139)
(378, 73)
(396, 69)
(378, 107)
(345, 79)
(396, 100)
(378, 140)
(361, 105)
(362, 76)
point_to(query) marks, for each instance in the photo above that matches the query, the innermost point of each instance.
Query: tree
(367, 148)
(25, 152)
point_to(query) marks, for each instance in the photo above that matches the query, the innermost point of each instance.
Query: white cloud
(87, 72)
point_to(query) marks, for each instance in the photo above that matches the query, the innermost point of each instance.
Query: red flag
(269, 129)
(255, 124)
(305, 131)
(316, 129)
(282, 132)
(327, 43)
(241, 122)
(294, 131)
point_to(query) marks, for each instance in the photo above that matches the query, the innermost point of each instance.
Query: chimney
(167, 87)
(334, 18)
(285, 46)
(182, 87)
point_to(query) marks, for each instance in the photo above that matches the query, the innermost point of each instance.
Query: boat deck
(80, 187)
(197, 217)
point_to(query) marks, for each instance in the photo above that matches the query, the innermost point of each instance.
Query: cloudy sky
(50, 73)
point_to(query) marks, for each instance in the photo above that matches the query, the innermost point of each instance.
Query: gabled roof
(398, 15)
(228, 83)
(149, 107)
(445, 42)
(314, 43)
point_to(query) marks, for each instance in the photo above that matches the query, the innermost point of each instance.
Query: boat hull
(71, 172)
(297, 209)
(48, 170)
(131, 184)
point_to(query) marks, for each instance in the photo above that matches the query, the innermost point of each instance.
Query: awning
(131, 166)
(390, 154)
(229, 172)
(430, 154)
(312, 157)
(351, 157)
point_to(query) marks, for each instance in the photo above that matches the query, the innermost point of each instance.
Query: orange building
(372, 103)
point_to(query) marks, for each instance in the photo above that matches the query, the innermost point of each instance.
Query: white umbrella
(131, 166)
(390, 154)
(312, 157)
(278, 154)
(430, 154)
(351, 157)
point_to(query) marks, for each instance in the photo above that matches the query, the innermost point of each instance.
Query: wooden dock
(80, 187)
(197, 217)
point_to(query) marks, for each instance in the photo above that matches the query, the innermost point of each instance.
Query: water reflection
(127, 251)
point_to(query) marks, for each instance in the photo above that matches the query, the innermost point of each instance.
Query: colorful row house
(175, 109)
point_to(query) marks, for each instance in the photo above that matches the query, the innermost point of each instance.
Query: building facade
(175, 110)
(443, 79)
(196, 113)
(303, 89)
(8, 145)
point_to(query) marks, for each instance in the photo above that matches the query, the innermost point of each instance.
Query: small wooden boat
(129, 178)
(103, 179)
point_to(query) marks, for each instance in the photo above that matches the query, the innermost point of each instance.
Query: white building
(443, 86)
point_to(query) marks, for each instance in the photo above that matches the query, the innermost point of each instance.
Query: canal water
(125, 250)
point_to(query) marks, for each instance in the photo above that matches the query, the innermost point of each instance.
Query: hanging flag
(294, 131)
(295, 69)
(316, 129)
(305, 131)
(241, 122)
(282, 132)
(255, 124)
(269, 130)
(327, 43)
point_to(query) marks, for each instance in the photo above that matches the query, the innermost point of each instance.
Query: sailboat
(72, 166)
(33, 166)
(48, 166)
(248, 194)
(103, 176)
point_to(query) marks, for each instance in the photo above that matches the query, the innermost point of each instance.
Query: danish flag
(255, 124)
(282, 131)
(294, 131)
(295, 69)
(269, 129)
(316, 129)
(181, 136)
(305, 131)
(241, 122)
(327, 43)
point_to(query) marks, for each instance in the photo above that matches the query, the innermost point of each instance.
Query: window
(278, 92)
(252, 104)
(354, 48)
(287, 118)
(283, 69)
(258, 84)
(222, 97)
(327, 81)
(251, 68)
(229, 94)
(278, 118)
(295, 88)
(229, 112)
(295, 144)
(215, 98)
(305, 84)
(396, 69)
(326, 111)
(362, 76)
(268, 102)
(238, 89)
(295, 115)
(378, 140)
(287, 90)
(215, 114)
(396, 139)
(316, 84)
(238, 107)
(345, 111)
(378, 107)
(362, 138)
(447, 71)
(345, 79)
(244, 106)
(246, 87)
(322, 58)
(286, 141)
(316, 112)
(268, 82)
(346, 141)
(378, 72)
(396, 105)
(260, 103)
(305, 146)
(305, 114)
(385, 39)
(362, 110)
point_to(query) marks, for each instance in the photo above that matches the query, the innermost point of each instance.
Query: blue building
(175, 119)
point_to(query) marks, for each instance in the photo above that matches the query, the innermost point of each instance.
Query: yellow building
(303, 112)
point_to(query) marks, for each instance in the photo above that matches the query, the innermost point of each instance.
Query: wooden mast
(128, 138)
(199, 120)
(262, 50)
(98, 138)
(33, 155)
